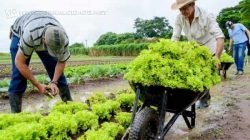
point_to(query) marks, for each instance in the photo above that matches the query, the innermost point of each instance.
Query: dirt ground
(226, 118)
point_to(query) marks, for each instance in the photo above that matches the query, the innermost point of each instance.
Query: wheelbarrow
(148, 123)
(224, 67)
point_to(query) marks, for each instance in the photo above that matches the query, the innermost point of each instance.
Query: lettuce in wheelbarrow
(226, 58)
(184, 65)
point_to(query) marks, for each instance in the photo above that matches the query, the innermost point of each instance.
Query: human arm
(248, 34)
(21, 65)
(177, 30)
(219, 47)
(61, 63)
(216, 31)
(58, 72)
(230, 45)
(10, 35)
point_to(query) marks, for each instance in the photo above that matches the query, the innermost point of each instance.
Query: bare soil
(227, 117)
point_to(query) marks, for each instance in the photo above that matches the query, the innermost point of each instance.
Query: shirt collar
(196, 12)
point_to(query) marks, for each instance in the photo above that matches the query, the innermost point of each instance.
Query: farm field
(75, 60)
(226, 118)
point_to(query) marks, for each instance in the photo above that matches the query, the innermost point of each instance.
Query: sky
(86, 20)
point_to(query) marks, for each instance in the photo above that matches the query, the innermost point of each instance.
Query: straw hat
(180, 3)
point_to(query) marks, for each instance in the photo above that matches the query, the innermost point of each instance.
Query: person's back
(238, 33)
(33, 21)
(40, 32)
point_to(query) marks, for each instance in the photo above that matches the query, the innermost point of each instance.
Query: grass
(5, 58)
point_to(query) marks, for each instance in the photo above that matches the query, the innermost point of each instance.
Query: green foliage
(42, 79)
(104, 110)
(108, 131)
(78, 48)
(69, 107)
(226, 58)
(86, 120)
(97, 98)
(126, 99)
(7, 120)
(77, 74)
(128, 49)
(184, 65)
(24, 131)
(245, 12)
(123, 118)
(157, 27)
(4, 83)
(110, 38)
(77, 45)
(59, 125)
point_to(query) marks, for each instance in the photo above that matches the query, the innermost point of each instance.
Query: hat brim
(176, 6)
(52, 53)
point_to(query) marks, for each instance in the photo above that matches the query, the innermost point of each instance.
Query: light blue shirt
(238, 33)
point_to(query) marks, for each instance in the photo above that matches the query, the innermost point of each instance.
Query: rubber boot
(65, 94)
(15, 102)
(204, 101)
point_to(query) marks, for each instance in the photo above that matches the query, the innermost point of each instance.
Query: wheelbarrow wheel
(145, 125)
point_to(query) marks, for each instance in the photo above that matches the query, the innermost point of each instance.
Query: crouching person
(38, 31)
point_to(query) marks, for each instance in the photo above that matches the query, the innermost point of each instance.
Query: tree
(157, 27)
(77, 45)
(245, 12)
(108, 38)
(125, 38)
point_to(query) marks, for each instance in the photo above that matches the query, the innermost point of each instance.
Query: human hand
(42, 88)
(218, 63)
(54, 89)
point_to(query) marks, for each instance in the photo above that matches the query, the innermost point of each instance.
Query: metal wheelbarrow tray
(148, 122)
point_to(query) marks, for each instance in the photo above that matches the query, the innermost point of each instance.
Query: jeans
(239, 55)
(18, 83)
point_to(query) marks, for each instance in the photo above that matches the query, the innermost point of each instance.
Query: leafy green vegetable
(184, 65)
(226, 58)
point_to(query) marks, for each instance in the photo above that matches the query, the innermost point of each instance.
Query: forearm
(10, 35)
(220, 47)
(58, 70)
(248, 34)
(230, 44)
(25, 71)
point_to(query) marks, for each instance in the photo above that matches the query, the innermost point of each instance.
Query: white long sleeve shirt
(204, 29)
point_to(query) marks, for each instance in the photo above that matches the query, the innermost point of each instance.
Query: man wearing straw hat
(200, 26)
(40, 32)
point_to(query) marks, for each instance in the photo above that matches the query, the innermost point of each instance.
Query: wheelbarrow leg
(225, 74)
(162, 111)
(192, 115)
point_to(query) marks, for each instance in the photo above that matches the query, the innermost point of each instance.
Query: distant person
(239, 35)
(200, 26)
(40, 32)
